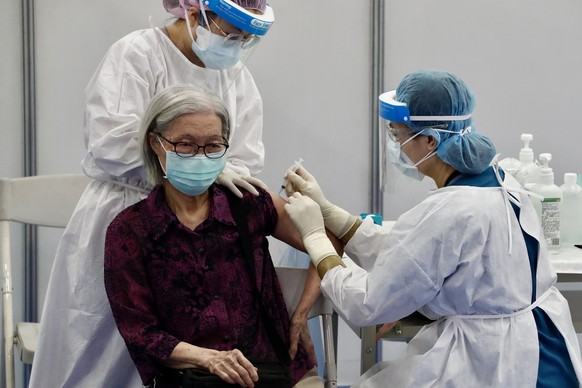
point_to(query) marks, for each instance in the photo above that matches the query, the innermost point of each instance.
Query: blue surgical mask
(211, 50)
(194, 175)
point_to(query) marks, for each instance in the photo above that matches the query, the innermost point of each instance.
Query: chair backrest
(46, 200)
(292, 281)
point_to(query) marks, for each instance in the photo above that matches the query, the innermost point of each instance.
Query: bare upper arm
(285, 229)
(288, 233)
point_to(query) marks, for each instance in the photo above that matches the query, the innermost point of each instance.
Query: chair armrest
(27, 339)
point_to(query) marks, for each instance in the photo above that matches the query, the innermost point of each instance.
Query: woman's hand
(233, 367)
(384, 329)
(299, 334)
(230, 365)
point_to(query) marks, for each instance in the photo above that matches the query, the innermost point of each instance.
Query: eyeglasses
(397, 134)
(232, 38)
(186, 149)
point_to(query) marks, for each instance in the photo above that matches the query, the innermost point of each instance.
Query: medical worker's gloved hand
(336, 219)
(306, 215)
(302, 181)
(231, 179)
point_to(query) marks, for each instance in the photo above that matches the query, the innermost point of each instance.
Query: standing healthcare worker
(470, 256)
(79, 344)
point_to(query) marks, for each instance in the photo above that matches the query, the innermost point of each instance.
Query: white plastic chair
(47, 200)
(292, 281)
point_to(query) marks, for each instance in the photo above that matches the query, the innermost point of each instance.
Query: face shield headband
(239, 17)
(398, 112)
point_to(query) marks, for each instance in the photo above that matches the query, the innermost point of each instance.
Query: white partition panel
(72, 38)
(313, 70)
(11, 120)
(11, 159)
(520, 58)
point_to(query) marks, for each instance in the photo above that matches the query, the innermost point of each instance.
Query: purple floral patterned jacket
(167, 283)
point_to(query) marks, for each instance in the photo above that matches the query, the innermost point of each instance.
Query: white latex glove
(306, 215)
(336, 219)
(231, 180)
(302, 181)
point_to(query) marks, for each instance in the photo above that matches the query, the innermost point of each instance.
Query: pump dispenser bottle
(527, 173)
(549, 207)
(571, 211)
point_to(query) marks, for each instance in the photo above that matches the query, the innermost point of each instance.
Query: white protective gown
(79, 342)
(448, 258)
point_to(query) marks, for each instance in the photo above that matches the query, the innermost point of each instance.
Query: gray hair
(167, 106)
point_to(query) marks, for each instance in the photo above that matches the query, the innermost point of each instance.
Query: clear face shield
(227, 33)
(395, 132)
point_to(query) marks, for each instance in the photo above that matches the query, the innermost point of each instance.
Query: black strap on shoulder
(240, 217)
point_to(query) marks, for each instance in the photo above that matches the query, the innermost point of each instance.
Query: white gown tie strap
(510, 198)
(501, 316)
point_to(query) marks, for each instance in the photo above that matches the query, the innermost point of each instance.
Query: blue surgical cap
(177, 7)
(440, 93)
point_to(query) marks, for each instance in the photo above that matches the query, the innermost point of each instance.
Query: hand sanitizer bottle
(549, 208)
(571, 211)
(528, 170)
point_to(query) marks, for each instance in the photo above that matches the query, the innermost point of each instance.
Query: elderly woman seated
(179, 286)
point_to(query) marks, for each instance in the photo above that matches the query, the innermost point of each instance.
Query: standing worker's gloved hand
(306, 215)
(336, 219)
(232, 179)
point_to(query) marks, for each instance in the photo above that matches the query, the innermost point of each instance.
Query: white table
(567, 263)
(567, 260)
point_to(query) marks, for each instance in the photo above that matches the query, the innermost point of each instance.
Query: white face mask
(402, 162)
(210, 48)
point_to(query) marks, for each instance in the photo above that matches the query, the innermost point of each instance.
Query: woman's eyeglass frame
(186, 147)
(233, 38)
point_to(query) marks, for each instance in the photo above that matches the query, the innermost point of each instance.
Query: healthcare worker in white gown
(471, 256)
(79, 342)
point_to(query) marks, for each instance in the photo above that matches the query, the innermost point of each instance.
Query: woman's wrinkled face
(187, 134)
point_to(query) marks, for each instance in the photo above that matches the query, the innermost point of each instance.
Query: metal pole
(377, 203)
(368, 334)
(29, 110)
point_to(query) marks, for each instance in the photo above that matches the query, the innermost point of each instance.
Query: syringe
(293, 168)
